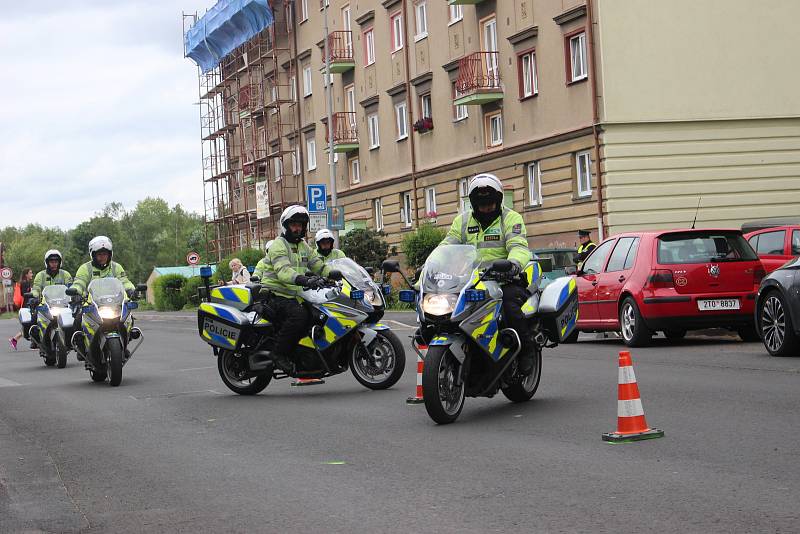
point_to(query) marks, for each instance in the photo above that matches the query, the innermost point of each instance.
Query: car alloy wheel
(628, 321)
(773, 323)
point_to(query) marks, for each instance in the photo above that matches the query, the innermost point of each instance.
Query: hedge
(249, 256)
(419, 244)
(190, 290)
(167, 290)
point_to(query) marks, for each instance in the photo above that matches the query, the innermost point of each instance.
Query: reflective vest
(583, 252)
(505, 238)
(88, 272)
(43, 279)
(286, 261)
(335, 254)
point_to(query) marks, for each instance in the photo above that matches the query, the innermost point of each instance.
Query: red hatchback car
(671, 281)
(776, 245)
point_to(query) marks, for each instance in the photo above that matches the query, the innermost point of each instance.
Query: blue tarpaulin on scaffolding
(225, 26)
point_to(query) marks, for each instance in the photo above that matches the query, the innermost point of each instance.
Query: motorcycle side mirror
(570, 270)
(335, 275)
(141, 288)
(71, 291)
(501, 266)
(546, 264)
(391, 266)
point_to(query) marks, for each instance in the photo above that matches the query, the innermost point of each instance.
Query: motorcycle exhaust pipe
(260, 361)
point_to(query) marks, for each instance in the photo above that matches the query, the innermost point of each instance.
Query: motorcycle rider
(51, 275)
(324, 241)
(288, 259)
(498, 233)
(262, 263)
(101, 266)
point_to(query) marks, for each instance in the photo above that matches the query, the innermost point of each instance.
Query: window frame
(535, 198)
(523, 78)
(489, 118)
(583, 193)
(308, 81)
(354, 171)
(456, 8)
(377, 213)
(369, 46)
(631, 241)
(420, 33)
(463, 193)
(782, 252)
(463, 107)
(373, 132)
(406, 209)
(430, 202)
(296, 161)
(396, 34)
(568, 58)
(605, 245)
(303, 11)
(397, 119)
(422, 99)
(311, 153)
(277, 168)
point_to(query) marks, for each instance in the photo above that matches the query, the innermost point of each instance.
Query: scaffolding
(250, 133)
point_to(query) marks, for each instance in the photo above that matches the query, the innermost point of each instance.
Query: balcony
(345, 132)
(478, 79)
(340, 51)
(463, 2)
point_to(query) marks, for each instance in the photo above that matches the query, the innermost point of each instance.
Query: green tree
(418, 244)
(366, 247)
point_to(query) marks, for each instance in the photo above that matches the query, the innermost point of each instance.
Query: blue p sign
(316, 195)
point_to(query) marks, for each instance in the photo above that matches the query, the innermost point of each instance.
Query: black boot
(525, 359)
(283, 363)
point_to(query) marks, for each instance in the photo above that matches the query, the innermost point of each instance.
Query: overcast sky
(97, 104)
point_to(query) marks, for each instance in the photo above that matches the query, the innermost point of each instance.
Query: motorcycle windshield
(56, 296)
(449, 268)
(353, 273)
(106, 291)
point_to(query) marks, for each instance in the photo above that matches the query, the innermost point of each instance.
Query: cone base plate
(307, 382)
(415, 400)
(613, 437)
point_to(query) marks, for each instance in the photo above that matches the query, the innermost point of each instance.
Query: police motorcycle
(45, 332)
(345, 332)
(460, 308)
(107, 328)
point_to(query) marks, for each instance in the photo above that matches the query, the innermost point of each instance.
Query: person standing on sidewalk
(23, 286)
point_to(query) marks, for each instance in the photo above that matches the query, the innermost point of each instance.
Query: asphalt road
(172, 450)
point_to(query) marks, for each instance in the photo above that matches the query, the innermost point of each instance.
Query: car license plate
(718, 304)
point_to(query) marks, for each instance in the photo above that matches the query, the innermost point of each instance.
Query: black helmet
(294, 214)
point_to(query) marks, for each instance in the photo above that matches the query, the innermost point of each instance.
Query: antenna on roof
(696, 212)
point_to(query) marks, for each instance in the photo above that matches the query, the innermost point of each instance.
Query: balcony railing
(463, 2)
(345, 132)
(340, 52)
(478, 79)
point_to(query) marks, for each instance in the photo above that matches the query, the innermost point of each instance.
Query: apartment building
(596, 114)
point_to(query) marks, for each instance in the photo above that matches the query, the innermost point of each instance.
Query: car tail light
(660, 278)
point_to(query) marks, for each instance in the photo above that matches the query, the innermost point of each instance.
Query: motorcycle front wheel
(233, 372)
(381, 365)
(61, 352)
(115, 359)
(444, 400)
(523, 387)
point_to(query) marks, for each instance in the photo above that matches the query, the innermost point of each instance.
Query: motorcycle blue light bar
(357, 294)
(387, 289)
(407, 295)
(475, 295)
(205, 271)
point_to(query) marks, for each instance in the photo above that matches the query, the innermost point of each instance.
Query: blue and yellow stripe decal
(566, 292)
(219, 311)
(237, 294)
(486, 334)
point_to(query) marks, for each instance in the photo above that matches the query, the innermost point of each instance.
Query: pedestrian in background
(239, 273)
(23, 286)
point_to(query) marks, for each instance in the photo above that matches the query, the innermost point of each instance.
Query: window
(307, 81)
(277, 169)
(703, 246)
(456, 13)
(584, 174)
(578, 69)
(528, 84)
(459, 112)
(421, 12)
(796, 243)
(377, 209)
(402, 120)
(347, 28)
(355, 171)
(303, 10)
(463, 194)
(372, 129)
(594, 263)
(369, 46)
(489, 42)
(770, 243)
(397, 31)
(534, 178)
(293, 88)
(621, 258)
(296, 161)
(406, 210)
(494, 129)
(273, 94)
(430, 202)
(311, 153)
(425, 106)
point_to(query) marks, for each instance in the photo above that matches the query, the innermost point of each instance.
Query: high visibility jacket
(335, 254)
(583, 252)
(88, 272)
(286, 261)
(505, 238)
(43, 280)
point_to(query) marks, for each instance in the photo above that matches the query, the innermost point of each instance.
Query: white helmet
(50, 253)
(269, 244)
(485, 180)
(298, 214)
(323, 234)
(99, 243)
(485, 190)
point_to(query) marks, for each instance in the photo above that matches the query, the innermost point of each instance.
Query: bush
(418, 245)
(365, 247)
(167, 290)
(249, 256)
(190, 290)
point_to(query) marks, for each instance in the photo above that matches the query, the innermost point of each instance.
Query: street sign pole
(329, 110)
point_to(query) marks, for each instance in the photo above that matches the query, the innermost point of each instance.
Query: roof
(763, 224)
(184, 270)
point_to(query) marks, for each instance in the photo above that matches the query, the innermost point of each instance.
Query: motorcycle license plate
(718, 304)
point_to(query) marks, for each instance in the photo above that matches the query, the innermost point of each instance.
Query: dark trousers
(514, 296)
(293, 319)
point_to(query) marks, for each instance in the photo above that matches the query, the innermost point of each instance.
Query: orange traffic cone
(417, 398)
(631, 424)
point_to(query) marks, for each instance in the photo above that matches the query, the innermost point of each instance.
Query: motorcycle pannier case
(238, 297)
(221, 326)
(26, 320)
(558, 308)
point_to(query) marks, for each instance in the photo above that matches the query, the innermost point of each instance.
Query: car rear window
(703, 247)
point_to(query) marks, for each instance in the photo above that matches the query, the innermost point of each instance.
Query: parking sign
(316, 195)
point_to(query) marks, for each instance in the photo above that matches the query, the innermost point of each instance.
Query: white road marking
(401, 325)
(197, 369)
(6, 383)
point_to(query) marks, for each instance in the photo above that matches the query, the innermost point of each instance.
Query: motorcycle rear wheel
(443, 399)
(115, 359)
(383, 367)
(524, 387)
(231, 370)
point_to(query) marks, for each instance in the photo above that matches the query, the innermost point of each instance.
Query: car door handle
(621, 278)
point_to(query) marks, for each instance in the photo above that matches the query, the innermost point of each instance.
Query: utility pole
(329, 108)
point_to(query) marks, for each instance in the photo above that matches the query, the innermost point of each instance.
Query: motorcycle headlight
(108, 312)
(55, 312)
(439, 304)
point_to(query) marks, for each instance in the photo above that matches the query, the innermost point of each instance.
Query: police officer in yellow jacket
(101, 251)
(52, 274)
(283, 272)
(324, 240)
(586, 246)
(498, 233)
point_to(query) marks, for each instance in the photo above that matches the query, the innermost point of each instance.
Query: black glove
(316, 282)
(515, 270)
(310, 282)
(130, 292)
